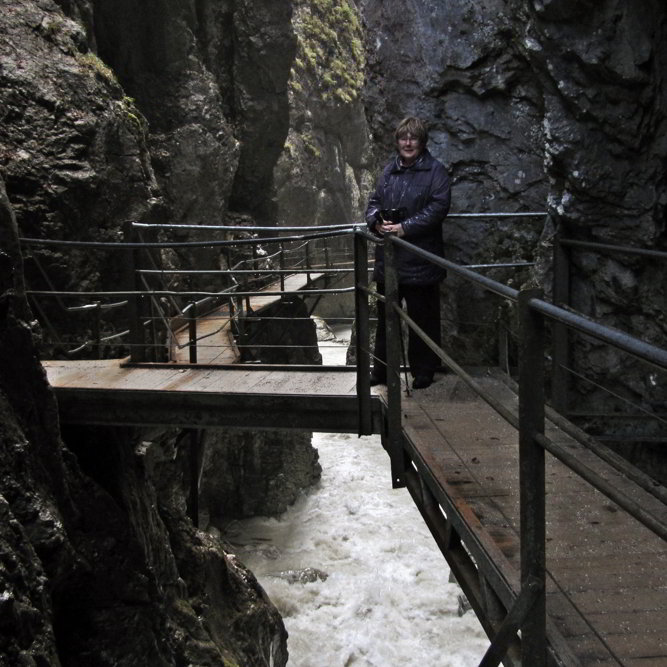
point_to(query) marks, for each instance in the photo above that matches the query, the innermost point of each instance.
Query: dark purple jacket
(423, 191)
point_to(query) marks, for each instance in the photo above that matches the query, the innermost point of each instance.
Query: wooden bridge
(562, 557)
(607, 581)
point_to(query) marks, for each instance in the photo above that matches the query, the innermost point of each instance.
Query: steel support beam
(191, 409)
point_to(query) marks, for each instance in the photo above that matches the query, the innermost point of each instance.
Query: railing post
(393, 331)
(195, 451)
(362, 334)
(560, 355)
(192, 331)
(531, 476)
(97, 336)
(255, 265)
(243, 338)
(281, 264)
(232, 315)
(134, 302)
(308, 261)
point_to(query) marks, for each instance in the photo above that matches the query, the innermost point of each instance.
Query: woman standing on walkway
(411, 199)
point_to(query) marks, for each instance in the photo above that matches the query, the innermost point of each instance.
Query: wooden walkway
(251, 397)
(607, 573)
(216, 344)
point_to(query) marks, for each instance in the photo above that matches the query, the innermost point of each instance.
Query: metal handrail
(533, 311)
(619, 339)
(290, 245)
(242, 228)
(630, 250)
(193, 293)
(119, 245)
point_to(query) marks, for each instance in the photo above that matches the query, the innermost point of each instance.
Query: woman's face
(409, 148)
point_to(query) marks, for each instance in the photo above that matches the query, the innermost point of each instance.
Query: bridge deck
(607, 588)
(108, 392)
(607, 582)
(217, 344)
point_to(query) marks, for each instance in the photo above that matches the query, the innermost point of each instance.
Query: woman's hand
(384, 227)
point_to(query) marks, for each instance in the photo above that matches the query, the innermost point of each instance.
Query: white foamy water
(381, 595)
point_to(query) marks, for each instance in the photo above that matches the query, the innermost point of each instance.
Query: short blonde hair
(413, 126)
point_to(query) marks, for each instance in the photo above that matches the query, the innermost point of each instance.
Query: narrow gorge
(265, 113)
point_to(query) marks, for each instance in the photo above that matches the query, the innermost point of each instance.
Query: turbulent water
(355, 572)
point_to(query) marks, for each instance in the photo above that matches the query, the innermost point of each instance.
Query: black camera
(394, 214)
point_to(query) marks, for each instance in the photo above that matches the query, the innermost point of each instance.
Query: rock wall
(457, 66)
(602, 69)
(326, 167)
(255, 474)
(103, 536)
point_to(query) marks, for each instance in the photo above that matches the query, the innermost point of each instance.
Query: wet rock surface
(255, 473)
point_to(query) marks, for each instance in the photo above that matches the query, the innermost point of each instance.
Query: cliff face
(211, 79)
(99, 564)
(602, 69)
(326, 167)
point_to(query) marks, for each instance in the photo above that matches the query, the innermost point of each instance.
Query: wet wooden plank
(215, 341)
(607, 594)
(172, 377)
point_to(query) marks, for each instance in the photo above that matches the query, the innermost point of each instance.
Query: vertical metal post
(560, 356)
(246, 288)
(281, 263)
(503, 348)
(97, 341)
(327, 265)
(255, 266)
(195, 457)
(531, 476)
(192, 331)
(308, 260)
(243, 338)
(232, 316)
(362, 334)
(134, 302)
(393, 330)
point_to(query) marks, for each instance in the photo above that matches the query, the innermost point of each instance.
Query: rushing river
(355, 572)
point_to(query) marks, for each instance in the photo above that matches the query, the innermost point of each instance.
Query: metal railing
(148, 304)
(527, 613)
(154, 312)
(561, 370)
(157, 301)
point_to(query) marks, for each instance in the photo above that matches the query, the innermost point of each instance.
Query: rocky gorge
(259, 112)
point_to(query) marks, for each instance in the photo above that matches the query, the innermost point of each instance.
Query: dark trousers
(423, 306)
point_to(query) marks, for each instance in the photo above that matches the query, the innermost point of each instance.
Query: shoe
(377, 379)
(422, 381)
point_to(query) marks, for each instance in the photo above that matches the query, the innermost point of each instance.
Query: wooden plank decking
(216, 344)
(607, 581)
(250, 397)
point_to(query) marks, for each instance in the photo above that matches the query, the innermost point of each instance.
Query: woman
(412, 199)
